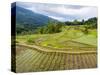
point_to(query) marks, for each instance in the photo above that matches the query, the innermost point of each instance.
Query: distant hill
(27, 20)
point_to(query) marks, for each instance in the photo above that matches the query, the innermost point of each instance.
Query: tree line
(90, 21)
(51, 27)
(54, 26)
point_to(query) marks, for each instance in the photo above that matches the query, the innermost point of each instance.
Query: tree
(52, 27)
(82, 22)
(92, 22)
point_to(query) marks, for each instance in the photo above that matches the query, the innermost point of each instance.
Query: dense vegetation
(55, 26)
(51, 27)
(90, 21)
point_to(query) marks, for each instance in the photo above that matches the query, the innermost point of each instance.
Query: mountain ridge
(28, 20)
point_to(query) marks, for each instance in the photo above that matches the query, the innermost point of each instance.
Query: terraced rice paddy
(69, 49)
(33, 60)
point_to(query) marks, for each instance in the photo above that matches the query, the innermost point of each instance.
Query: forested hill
(27, 20)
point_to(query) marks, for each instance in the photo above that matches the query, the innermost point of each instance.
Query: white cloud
(63, 12)
(58, 18)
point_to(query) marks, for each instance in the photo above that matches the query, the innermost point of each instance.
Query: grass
(61, 40)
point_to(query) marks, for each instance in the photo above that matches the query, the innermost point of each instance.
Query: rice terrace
(47, 44)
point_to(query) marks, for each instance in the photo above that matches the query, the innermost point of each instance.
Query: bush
(85, 29)
(30, 40)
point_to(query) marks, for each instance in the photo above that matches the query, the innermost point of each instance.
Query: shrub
(30, 40)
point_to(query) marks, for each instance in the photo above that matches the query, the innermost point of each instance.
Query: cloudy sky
(61, 12)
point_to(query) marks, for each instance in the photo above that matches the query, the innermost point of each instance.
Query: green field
(67, 37)
(69, 49)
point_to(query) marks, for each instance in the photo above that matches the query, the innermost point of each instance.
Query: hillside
(27, 20)
(69, 37)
